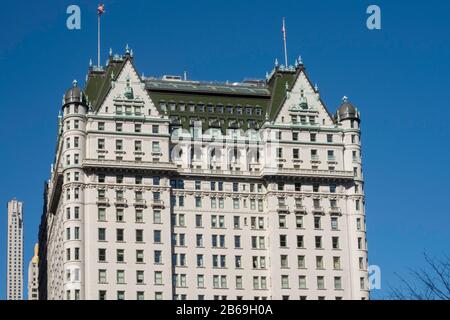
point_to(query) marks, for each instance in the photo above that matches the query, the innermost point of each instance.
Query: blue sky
(398, 77)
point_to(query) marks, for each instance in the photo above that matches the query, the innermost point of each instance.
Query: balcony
(157, 204)
(120, 202)
(299, 209)
(102, 201)
(347, 175)
(140, 203)
(318, 210)
(335, 211)
(282, 208)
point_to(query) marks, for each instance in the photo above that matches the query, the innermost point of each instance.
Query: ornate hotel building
(176, 189)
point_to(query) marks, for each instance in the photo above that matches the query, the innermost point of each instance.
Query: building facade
(14, 290)
(33, 274)
(176, 189)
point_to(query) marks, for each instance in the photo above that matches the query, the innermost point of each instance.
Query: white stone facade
(128, 218)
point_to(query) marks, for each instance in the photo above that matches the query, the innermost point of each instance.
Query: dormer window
(258, 111)
(137, 111)
(239, 110)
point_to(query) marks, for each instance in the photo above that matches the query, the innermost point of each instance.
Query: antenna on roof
(285, 44)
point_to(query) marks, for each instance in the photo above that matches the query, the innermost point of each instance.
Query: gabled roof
(264, 98)
(99, 80)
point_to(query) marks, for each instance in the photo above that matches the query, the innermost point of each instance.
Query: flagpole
(98, 56)
(285, 44)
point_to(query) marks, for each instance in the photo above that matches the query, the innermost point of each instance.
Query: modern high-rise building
(15, 251)
(177, 189)
(33, 275)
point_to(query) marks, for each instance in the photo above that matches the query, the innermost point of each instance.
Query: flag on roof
(100, 9)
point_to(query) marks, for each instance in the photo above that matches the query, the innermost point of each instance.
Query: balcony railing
(157, 203)
(140, 203)
(121, 202)
(102, 201)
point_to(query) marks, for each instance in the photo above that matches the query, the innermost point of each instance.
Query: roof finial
(316, 87)
(287, 85)
(276, 62)
(110, 52)
(131, 52)
(127, 49)
(75, 83)
(300, 61)
(90, 62)
(112, 75)
(345, 99)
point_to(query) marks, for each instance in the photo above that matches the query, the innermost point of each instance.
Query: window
(198, 220)
(285, 282)
(119, 145)
(138, 146)
(337, 283)
(156, 216)
(336, 263)
(139, 277)
(139, 256)
(139, 235)
(320, 283)
(119, 215)
(301, 262)
(319, 262)
(101, 126)
(119, 235)
(237, 241)
(139, 216)
(102, 255)
(120, 276)
(283, 240)
(157, 257)
(102, 276)
(335, 242)
(101, 234)
(300, 242)
(330, 154)
(284, 261)
(358, 224)
(282, 221)
(317, 222)
(157, 236)
(120, 255)
(296, 153)
(318, 242)
(334, 223)
(313, 137)
(137, 127)
(295, 136)
(329, 138)
(198, 202)
(299, 221)
(155, 147)
(155, 129)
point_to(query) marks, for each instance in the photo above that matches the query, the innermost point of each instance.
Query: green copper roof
(218, 105)
(99, 81)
